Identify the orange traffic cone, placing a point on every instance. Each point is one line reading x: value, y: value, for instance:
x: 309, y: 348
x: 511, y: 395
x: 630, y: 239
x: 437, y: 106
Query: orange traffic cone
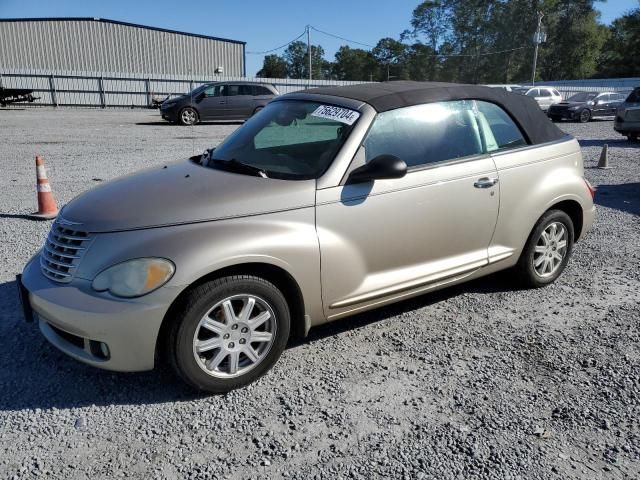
x: 47, y: 208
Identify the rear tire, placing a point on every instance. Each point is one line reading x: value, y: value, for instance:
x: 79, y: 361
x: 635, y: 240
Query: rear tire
x: 547, y: 250
x: 228, y: 333
x: 188, y: 116
x: 555, y: 119
x: 584, y: 116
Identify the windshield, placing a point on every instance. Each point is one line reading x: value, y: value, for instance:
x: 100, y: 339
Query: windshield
x: 582, y: 97
x: 634, y: 97
x: 291, y: 140
x: 197, y: 90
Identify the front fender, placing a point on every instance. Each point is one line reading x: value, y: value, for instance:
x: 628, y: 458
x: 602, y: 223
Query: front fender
x: 287, y: 240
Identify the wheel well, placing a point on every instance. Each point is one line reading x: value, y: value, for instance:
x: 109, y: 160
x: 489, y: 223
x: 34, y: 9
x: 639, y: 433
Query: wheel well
x: 574, y: 210
x: 276, y: 275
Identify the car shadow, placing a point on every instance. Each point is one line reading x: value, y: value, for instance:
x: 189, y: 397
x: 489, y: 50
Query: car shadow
x: 35, y: 374
x: 19, y: 215
x: 498, y: 282
x: 617, y: 143
x: 199, y: 124
x: 624, y: 197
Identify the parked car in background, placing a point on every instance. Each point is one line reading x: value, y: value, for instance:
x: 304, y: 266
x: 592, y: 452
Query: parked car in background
x: 584, y: 106
x: 508, y: 88
x: 218, y: 101
x: 627, y: 121
x: 327, y: 203
x: 545, y: 96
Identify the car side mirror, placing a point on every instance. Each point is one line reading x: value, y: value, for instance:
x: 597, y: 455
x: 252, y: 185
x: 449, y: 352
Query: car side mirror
x: 379, y: 168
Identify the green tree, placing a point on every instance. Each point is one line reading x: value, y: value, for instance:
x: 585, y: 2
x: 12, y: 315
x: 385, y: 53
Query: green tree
x: 420, y: 62
x: 296, y: 57
x: 390, y: 56
x: 273, y: 66
x: 620, y: 56
x: 575, y: 41
x: 490, y: 41
x: 354, y: 64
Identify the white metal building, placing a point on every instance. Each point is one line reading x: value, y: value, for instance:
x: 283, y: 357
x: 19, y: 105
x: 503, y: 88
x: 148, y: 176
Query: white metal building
x: 99, y: 45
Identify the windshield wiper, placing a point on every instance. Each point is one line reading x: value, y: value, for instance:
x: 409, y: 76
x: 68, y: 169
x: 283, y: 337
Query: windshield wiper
x: 240, y: 167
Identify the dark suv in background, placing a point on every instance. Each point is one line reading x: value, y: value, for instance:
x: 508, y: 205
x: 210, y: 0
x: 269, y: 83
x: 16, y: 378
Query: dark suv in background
x: 628, y: 117
x: 583, y: 106
x: 218, y: 101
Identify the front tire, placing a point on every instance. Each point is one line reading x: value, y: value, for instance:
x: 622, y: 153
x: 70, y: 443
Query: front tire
x: 547, y: 250
x: 229, y: 332
x: 584, y: 116
x: 188, y: 116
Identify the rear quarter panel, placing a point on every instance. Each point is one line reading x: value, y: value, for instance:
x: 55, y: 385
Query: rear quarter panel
x: 532, y: 180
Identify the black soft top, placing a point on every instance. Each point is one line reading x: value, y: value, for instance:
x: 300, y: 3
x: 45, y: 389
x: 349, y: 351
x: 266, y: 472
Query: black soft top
x: 391, y: 95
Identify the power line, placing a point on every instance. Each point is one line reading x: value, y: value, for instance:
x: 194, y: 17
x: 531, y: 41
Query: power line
x: 280, y: 47
x: 479, y: 54
x: 342, y: 38
x: 452, y: 55
x: 434, y: 55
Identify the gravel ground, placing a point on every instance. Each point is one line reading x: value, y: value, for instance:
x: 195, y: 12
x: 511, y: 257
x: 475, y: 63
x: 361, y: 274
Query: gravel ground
x: 477, y: 381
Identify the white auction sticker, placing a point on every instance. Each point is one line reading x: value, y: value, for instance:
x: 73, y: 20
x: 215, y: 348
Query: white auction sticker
x: 342, y: 115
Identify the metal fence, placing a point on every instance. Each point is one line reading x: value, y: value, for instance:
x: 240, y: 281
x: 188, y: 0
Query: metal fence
x: 88, y: 89
x: 134, y: 91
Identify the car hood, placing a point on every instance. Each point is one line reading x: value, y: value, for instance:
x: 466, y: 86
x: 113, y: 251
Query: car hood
x: 175, y: 99
x: 183, y: 192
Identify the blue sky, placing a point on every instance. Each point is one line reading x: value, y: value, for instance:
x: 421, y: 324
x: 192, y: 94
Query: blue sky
x: 263, y: 25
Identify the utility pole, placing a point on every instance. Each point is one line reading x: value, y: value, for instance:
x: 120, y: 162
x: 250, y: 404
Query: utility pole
x: 309, y: 49
x: 538, y: 38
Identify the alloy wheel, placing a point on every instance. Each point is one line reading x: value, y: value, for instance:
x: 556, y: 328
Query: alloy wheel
x: 584, y: 116
x: 234, y: 336
x: 188, y: 116
x: 550, y: 250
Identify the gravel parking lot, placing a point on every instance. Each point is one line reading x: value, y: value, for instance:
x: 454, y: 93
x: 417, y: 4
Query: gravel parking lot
x: 478, y: 381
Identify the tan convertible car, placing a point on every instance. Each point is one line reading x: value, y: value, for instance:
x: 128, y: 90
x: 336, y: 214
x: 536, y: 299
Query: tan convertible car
x: 326, y: 203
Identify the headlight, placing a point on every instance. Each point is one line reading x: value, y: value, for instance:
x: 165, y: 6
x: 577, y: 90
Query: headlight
x: 134, y: 278
x: 575, y: 107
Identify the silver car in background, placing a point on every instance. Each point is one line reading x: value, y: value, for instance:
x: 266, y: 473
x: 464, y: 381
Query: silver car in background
x: 327, y: 203
x: 544, y: 96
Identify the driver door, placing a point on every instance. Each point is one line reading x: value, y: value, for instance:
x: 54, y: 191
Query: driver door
x: 387, y: 239
x: 214, y: 102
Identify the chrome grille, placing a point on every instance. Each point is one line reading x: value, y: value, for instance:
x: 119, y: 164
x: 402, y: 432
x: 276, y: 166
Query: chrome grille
x: 633, y: 115
x: 62, y: 251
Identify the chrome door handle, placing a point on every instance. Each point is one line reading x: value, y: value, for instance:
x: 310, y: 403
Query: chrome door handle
x: 485, y: 182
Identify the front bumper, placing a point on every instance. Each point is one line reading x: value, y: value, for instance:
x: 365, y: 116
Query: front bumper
x: 563, y: 114
x: 169, y: 113
x: 626, y: 127
x: 77, y: 320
